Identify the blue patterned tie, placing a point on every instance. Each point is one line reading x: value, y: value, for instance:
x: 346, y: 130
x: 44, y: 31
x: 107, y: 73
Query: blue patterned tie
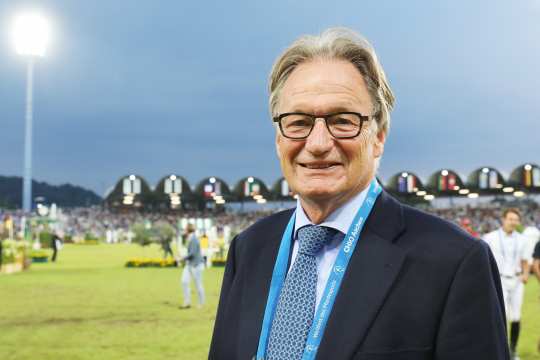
x: 296, y: 304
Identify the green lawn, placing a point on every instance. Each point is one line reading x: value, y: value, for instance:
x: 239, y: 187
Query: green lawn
x: 88, y: 306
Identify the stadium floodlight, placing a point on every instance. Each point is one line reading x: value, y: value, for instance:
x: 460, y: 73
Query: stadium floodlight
x: 30, y: 36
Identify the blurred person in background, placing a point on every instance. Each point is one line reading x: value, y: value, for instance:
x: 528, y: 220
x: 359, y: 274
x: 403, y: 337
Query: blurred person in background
x: 536, y: 263
x: 531, y: 235
x: 467, y: 226
x: 512, y: 255
x: 193, y: 268
x: 536, y: 269
x: 56, y: 245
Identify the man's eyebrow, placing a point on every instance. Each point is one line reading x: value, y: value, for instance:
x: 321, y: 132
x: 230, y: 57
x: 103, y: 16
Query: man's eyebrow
x: 328, y: 110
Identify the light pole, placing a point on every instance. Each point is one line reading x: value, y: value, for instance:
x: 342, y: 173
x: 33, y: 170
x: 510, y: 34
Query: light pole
x: 30, y: 35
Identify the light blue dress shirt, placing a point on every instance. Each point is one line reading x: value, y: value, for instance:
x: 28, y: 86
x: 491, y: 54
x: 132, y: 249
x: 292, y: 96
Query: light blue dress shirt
x: 340, y: 219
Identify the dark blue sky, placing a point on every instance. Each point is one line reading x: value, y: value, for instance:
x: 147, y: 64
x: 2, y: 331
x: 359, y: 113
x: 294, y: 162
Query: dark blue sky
x: 155, y: 87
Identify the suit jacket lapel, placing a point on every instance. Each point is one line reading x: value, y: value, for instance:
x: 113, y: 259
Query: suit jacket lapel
x: 372, y: 270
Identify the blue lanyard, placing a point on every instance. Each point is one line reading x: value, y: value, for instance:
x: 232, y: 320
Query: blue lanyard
x: 332, y: 286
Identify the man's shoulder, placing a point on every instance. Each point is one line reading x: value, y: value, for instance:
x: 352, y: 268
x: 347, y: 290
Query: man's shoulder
x: 436, y: 235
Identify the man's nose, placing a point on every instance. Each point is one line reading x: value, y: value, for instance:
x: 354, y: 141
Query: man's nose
x: 320, y: 140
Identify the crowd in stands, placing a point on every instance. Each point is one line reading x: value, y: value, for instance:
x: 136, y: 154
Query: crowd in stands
x: 478, y: 219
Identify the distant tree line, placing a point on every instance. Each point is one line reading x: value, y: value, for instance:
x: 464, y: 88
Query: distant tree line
x: 65, y: 195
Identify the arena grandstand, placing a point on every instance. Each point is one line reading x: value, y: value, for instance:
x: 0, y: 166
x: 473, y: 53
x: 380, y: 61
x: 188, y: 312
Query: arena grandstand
x: 173, y: 192
x: 220, y: 211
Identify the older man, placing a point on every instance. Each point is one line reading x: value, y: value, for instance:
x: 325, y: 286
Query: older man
x: 350, y: 273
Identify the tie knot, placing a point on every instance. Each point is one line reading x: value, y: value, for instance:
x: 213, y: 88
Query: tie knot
x: 312, y: 238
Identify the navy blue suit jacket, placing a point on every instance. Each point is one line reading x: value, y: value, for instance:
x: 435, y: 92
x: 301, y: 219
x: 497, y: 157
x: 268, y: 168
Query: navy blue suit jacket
x: 417, y: 288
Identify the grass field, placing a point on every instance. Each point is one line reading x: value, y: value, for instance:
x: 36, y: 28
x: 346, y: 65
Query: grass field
x: 88, y: 306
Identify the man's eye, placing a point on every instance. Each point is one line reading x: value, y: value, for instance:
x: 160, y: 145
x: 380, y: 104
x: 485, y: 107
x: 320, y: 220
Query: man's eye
x: 342, y: 121
x: 300, y: 123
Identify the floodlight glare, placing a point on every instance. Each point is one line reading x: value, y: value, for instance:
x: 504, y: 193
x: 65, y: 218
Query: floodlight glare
x: 31, y: 34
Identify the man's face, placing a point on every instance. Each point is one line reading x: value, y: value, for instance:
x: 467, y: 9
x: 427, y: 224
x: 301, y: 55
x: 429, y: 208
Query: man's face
x: 322, y: 168
x: 510, y: 222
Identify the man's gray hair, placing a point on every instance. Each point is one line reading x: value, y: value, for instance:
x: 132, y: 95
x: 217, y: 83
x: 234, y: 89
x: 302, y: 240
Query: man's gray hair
x: 342, y: 44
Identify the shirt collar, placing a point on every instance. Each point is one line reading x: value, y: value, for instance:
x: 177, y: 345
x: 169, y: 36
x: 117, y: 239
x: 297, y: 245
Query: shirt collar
x: 504, y: 234
x: 340, y: 219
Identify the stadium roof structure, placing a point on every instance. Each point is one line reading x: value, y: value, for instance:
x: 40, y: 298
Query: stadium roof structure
x: 130, y: 191
x: 526, y: 177
x: 406, y: 183
x: 486, y: 180
x: 172, y: 191
x: 281, y: 190
x: 251, y: 189
x: 445, y: 182
x: 214, y: 189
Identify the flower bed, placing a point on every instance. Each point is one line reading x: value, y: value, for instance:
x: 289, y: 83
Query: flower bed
x: 146, y: 262
x: 39, y: 256
x: 219, y: 262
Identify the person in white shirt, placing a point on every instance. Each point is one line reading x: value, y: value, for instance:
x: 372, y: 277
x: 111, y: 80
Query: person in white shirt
x: 512, y: 256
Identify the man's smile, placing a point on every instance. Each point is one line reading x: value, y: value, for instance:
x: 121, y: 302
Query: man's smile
x: 319, y: 165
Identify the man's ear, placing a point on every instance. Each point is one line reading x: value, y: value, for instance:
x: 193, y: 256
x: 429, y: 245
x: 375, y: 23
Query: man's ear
x: 378, y: 145
x: 277, y: 142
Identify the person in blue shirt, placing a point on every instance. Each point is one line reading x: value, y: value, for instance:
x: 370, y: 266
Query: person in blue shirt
x: 193, y: 268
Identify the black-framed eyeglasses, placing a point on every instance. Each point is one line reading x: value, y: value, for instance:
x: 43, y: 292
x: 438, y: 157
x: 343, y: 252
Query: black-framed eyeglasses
x: 341, y: 125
